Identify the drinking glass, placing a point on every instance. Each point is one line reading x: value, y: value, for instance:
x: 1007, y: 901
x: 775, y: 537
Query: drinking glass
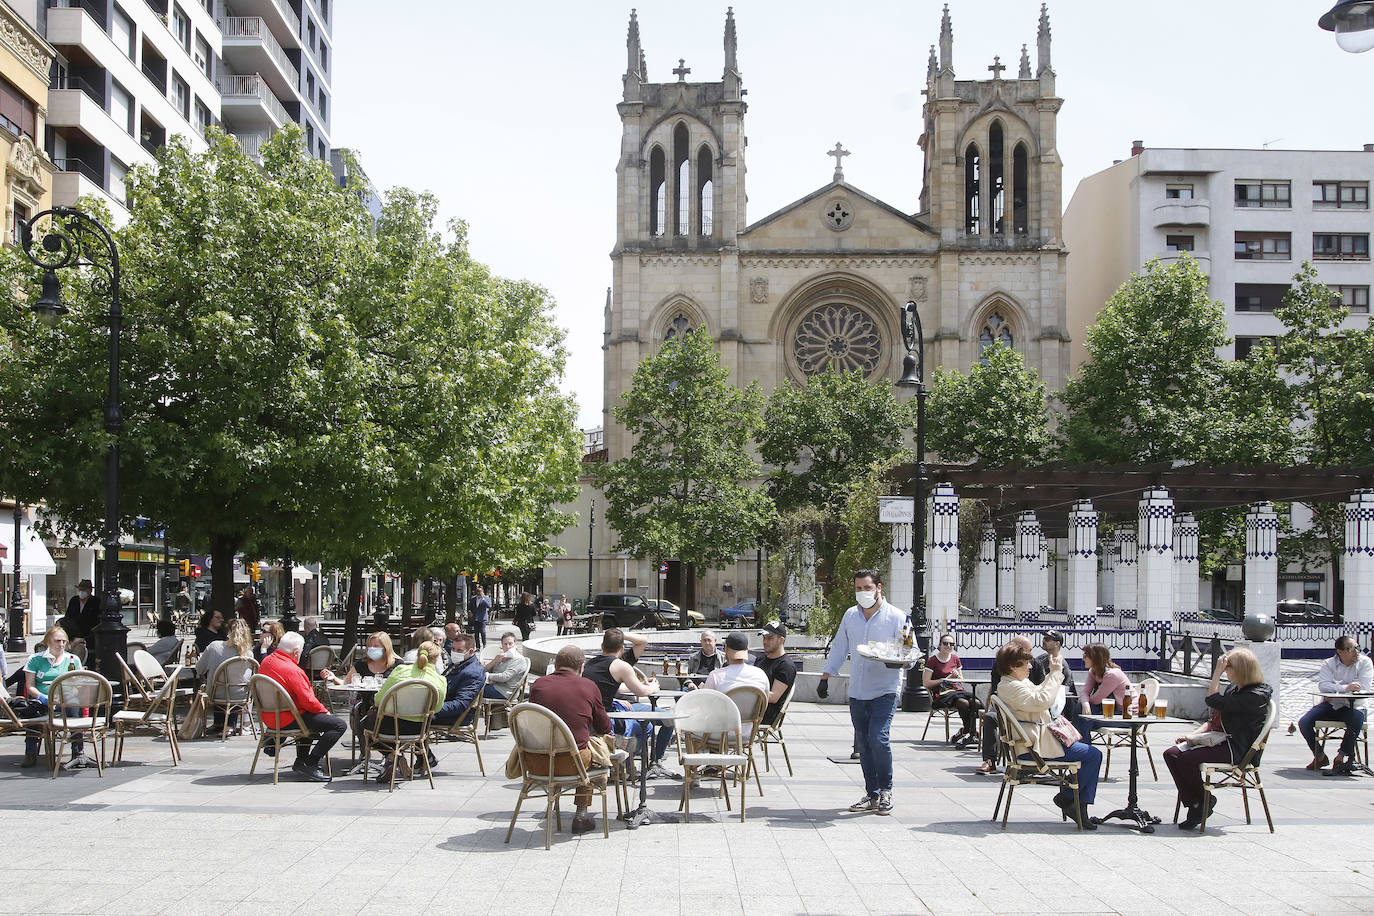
x: 1161, y: 709
x: 1109, y: 707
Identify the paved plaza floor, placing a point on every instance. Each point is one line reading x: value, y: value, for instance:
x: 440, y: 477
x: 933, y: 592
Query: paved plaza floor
x: 205, y: 837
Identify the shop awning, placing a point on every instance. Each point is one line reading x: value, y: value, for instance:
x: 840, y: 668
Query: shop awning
x: 34, y: 558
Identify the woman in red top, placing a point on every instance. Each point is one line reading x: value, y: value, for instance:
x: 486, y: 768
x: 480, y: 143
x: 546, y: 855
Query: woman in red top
x: 944, y: 678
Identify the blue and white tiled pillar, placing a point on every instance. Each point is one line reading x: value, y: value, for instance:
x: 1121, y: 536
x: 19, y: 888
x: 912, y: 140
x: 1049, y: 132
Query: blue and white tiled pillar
x: 1106, y: 579
x: 986, y: 576
x: 1029, y: 597
x: 1082, y: 565
x: 1359, y: 562
x: 1155, y: 560
x: 1124, y: 579
x: 1261, y: 559
x: 1186, y: 571
x: 1006, y: 578
x: 942, y: 575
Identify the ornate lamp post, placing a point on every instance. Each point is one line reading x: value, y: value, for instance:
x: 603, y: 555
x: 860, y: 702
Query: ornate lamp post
x: 289, y: 621
x: 74, y: 239
x: 16, y: 624
x: 915, y: 698
x: 1353, y: 23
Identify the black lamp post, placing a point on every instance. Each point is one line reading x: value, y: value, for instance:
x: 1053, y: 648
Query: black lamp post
x: 15, y: 643
x: 74, y: 239
x: 1353, y: 23
x: 591, y: 533
x: 915, y: 698
x: 289, y: 622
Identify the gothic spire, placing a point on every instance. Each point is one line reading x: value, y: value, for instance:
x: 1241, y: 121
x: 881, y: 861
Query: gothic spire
x: 946, y: 42
x: 634, y: 54
x: 1042, y: 44
x: 730, y: 48
x: 932, y: 66
x: 1024, y: 73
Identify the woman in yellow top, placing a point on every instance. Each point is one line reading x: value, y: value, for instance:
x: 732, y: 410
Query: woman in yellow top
x: 426, y: 668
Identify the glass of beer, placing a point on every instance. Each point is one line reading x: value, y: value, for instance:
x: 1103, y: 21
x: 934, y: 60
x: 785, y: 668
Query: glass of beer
x: 1161, y: 709
x: 1109, y: 707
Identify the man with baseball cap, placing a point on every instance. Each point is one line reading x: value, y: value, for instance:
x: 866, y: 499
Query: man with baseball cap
x: 737, y: 671
x: 776, y: 666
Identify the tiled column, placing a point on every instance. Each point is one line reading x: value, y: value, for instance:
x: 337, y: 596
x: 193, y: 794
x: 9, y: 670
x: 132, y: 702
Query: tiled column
x: 1155, y: 560
x: 1106, y: 578
x: 1029, y: 597
x: 1042, y: 582
x: 1006, y: 578
x: 1186, y: 566
x: 901, y: 571
x: 1125, y: 578
x: 986, y: 576
x: 942, y: 573
x: 1359, y: 562
x: 1082, y: 564
x: 1261, y: 559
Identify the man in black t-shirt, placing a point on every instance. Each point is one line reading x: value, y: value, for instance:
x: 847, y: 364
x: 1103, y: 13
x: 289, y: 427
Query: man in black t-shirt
x: 780, y: 670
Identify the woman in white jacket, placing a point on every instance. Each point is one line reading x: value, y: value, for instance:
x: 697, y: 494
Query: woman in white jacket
x: 1030, y: 705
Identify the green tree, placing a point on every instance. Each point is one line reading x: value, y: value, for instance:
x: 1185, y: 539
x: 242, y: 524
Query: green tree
x: 996, y: 414
x: 687, y: 490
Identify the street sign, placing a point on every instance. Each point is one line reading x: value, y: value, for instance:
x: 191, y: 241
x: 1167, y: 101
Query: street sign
x: 894, y: 510
x: 663, y: 569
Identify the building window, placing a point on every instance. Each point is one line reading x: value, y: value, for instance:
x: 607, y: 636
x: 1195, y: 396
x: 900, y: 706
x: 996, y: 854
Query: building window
x: 995, y: 330
x: 1340, y: 195
x: 119, y: 172
x: 1020, y: 190
x: 658, y: 192
x: 310, y: 34
x: 310, y: 85
x: 1354, y: 298
x: 324, y: 106
x: 181, y: 27
x: 181, y: 95
x: 682, y: 170
x: 203, y: 117
x: 309, y: 137
x: 1178, y: 191
x: 1177, y: 243
x: 677, y: 328
x: 1349, y: 246
x: 1260, y: 297
x: 705, y: 192
x: 21, y: 216
x: 841, y: 337
x: 324, y: 9
x: 973, y: 177
x: 1264, y: 246
x: 1246, y: 345
x: 203, y: 57
x: 997, y: 179
x: 324, y: 57
x: 18, y: 114
x: 1263, y: 194
x: 321, y: 150
x: 122, y: 32
x: 122, y: 107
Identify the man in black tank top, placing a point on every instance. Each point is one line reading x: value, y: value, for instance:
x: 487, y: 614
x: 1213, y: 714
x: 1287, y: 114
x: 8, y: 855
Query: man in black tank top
x: 613, y: 670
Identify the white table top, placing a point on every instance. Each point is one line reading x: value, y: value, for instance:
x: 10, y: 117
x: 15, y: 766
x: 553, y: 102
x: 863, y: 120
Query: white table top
x: 645, y: 715
x: 353, y: 688
x: 1141, y: 721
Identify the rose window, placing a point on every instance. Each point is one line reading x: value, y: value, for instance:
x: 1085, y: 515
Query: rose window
x: 841, y: 337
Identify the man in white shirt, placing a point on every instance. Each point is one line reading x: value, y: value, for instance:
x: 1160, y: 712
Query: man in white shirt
x: 1347, y: 672
x: 506, y: 671
x: 872, y: 685
x: 737, y: 671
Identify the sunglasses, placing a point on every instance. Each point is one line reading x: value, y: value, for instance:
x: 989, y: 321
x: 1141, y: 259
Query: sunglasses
x: 943, y: 643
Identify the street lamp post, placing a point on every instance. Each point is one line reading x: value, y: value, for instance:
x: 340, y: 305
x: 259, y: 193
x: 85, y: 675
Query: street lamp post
x: 591, y: 531
x: 289, y: 622
x: 915, y: 697
x: 1353, y: 23
x: 74, y: 239
x: 16, y: 641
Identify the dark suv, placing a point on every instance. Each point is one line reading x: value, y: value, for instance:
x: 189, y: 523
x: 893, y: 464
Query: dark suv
x: 1296, y: 610
x: 624, y: 611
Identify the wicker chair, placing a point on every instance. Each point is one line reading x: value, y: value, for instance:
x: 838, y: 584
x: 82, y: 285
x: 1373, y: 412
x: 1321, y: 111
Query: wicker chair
x: 765, y: 735
x: 270, y: 698
x: 539, y: 732
x: 752, y: 704
x: 457, y: 731
x: 88, y: 695
x: 156, y: 719
x: 491, y: 707
x: 1035, y: 771
x: 413, y: 698
x: 228, y: 690
x: 1244, y: 775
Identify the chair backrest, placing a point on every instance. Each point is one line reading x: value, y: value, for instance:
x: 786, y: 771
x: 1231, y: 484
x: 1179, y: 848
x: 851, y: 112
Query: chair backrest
x: 539, y: 732
x: 708, y: 712
x: 148, y: 667
x: 751, y: 702
x: 232, y: 673
x: 412, y: 698
x: 271, y: 698
x: 783, y: 706
x: 134, y: 688
x: 166, y: 697
x: 1011, y: 733
x: 1151, y: 687
x: 1252, y: 756
x: 319, y: 658
x: 82, y: 690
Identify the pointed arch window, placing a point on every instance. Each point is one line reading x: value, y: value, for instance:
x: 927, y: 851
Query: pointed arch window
x: 682, y: 172
x: 996, y: 180
x: 972, y: 180
x: 706, y: 192
x: 658, y: 192
x: 677, y: 328
x: 995, y: 330
x: 1020, y: 190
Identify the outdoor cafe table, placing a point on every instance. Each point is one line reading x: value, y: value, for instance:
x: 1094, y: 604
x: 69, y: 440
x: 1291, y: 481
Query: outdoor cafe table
x: 1135, y: 816
x: 356, y: 687
x: 642, y: 815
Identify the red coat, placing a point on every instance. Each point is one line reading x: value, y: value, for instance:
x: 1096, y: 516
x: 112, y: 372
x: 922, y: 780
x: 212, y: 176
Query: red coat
x: 283, y: 669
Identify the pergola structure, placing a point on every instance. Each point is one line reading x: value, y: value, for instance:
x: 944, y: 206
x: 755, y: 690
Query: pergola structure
x: 1145, y: 576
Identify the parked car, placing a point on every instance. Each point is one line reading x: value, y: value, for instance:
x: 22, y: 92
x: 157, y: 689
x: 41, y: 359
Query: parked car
x: 670, y: 614
x: 625, y: 611
x: 738, y: 615
x: 1296, y: 610
x: 1222, y: 614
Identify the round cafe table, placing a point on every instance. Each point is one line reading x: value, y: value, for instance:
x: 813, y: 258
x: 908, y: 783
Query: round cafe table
x: 1135, y: 816
x: 354, y: 688
x: 642, y: 815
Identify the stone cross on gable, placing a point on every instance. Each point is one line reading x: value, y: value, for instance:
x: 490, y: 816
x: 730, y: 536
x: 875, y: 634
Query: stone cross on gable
x: 997, y: 67
x: 839, y: 152
x: 681, y: 70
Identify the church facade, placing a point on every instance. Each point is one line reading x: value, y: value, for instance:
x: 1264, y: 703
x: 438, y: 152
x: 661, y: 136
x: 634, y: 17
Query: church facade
x: 820, y: 282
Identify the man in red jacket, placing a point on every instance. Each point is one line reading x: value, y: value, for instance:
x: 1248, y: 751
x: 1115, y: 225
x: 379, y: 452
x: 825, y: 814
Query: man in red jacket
x: 283, y: 666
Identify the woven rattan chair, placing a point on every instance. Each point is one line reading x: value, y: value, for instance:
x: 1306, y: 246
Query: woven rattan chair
x: 752, y: 704
x: 78, y: 702
x: 457, y: 731
x: 1036, y: 770
x: 491, y: 707
x: 539, y: 733
x: 765, y: 735
x: 1244, y: 775
x: 228, y: 690
x: 709, y: 723
x: 156, y: 719
x: 270, y: 698
x: 413, y: 698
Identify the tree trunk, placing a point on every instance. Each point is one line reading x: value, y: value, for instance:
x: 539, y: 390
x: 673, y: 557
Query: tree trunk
x: 353, y: 607
x: 407, y: 603
x: 222, y: 550
x: 689, y: 593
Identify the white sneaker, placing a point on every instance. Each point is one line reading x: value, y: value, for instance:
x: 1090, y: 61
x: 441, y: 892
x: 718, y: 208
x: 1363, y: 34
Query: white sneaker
x: 884, y: 802
x: 867, y: 803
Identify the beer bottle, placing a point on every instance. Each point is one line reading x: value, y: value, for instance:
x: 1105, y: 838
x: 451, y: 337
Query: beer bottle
x: 908, y: 635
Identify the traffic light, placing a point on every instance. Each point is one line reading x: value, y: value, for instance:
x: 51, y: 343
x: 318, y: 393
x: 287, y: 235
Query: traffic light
x: 254, y: 571
x: 185, y: 567
x: 195, y: 572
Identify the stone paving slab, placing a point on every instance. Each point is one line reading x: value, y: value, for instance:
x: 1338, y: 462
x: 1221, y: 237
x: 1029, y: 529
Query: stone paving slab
x: 204, y: 837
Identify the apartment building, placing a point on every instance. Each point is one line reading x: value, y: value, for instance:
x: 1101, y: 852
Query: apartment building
x: 129, y: 74
x: 24, y: 62
x: 1249, y: 217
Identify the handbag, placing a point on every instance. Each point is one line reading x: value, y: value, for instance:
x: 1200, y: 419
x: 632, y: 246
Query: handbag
x: 193, y: 725
x: 1063, y: 730
x: 1206, y: 739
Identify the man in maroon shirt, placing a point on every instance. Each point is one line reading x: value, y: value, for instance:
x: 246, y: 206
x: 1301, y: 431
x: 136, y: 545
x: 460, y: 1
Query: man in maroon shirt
x: 577, y: 701
x: 283, y: 666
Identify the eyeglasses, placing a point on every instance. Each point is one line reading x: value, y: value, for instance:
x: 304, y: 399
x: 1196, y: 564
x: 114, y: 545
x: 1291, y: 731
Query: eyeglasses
x: 943, y: 643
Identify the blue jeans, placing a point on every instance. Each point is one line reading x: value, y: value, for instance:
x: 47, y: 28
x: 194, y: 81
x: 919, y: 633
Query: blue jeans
x: 637, y: 730
x: 1352, y: 717
x: 32, y: 742
x: 872, y: 721
x: 491, y: 692
x: 1089, y: 759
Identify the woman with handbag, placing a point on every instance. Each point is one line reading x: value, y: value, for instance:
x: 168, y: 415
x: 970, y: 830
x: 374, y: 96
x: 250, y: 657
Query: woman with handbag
x: 1030, y: 705
x: 1239, y: 714
x: 525, y: 613
x: 943, y: 676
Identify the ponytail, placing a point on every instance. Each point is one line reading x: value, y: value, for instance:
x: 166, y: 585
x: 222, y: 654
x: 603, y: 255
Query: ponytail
x: 427, y: 655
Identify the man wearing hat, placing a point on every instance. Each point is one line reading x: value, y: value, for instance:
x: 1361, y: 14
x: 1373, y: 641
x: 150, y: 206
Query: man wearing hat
x: 737, y: 671
x: 83, y: 612
x: 776, y: 666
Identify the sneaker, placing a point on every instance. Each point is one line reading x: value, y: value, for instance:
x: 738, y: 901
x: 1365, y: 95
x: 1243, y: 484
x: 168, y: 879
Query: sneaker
x: 957, y: 737
x: 867, y: 803
x: 76, y: 763
x: 884, y: 803
x: 657, y: 771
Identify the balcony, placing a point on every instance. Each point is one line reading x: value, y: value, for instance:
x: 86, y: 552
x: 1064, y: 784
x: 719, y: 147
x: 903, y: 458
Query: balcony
x: 76, y: 179
x: 247, y: 102
x: 96, y: 10
x: 1203, y: 259
x: 280, y: 18
x: 1183, y: 212
x: 250, y: 47
x: 252, y: 144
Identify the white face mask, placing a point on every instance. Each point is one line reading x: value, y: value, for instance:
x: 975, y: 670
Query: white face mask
x: 84, y: 594
x: 866, y: 600
x: 375, y: 653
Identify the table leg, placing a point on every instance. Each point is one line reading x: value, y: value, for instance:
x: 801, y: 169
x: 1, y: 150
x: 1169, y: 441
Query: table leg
x: 1133, y: 814
x: 641, y: 816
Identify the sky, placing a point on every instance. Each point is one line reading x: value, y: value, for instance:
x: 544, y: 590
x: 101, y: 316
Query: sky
x: 507, y: 111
